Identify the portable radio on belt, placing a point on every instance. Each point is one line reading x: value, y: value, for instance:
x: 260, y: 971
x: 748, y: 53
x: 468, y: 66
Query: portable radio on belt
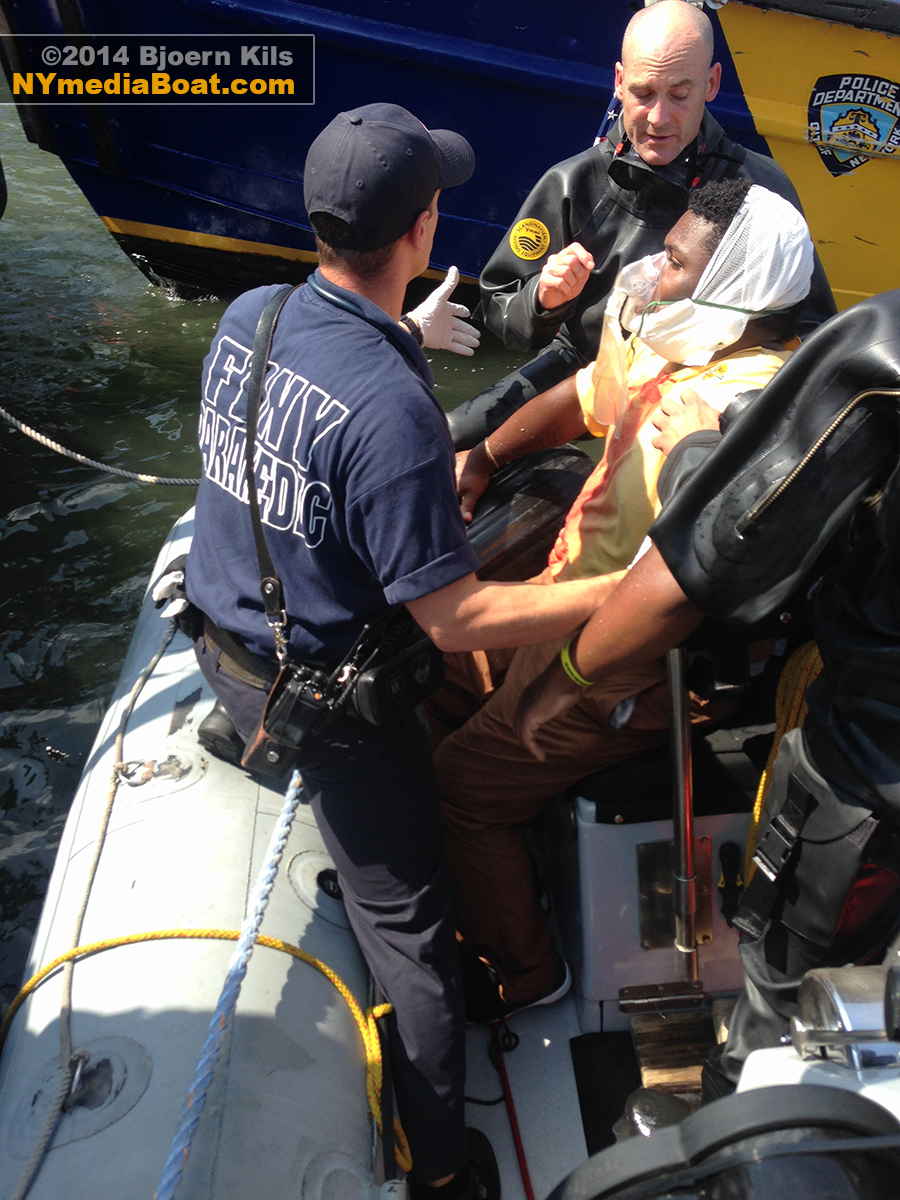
x: 391, y: 667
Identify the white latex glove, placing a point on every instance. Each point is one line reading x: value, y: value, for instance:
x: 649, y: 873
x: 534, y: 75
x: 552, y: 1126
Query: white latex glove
x: 441, y: 322
x: 170, y: 587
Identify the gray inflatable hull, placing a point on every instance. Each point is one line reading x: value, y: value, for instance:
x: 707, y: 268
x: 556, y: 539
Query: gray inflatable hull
x: 287, y: 1114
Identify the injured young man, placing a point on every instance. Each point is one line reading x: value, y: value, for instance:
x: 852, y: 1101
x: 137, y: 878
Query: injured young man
x: 712, y: 317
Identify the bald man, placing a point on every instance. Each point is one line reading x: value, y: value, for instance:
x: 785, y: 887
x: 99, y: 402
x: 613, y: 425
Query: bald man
x: 611, y: 205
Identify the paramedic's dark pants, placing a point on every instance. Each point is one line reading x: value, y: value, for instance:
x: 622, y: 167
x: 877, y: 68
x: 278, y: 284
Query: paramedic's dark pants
x: 374, y: 795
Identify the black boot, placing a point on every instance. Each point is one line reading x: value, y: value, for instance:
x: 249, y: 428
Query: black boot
x: 217, y: 734
x: 479, y: 1179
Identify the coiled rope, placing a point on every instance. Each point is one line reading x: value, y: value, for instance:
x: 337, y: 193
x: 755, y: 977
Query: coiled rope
x: 365, y: 1019
x: 90, y: 462
x: 73, y: 1062
x: 790, y: 711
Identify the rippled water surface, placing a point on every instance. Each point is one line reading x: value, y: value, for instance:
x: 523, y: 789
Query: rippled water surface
x: 96, y: 358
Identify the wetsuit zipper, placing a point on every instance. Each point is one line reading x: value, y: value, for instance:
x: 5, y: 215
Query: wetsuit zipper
x: 774, y: 492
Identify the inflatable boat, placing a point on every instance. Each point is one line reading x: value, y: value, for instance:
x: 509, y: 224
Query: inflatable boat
x: 288, y: 1111
x: 164, y: 857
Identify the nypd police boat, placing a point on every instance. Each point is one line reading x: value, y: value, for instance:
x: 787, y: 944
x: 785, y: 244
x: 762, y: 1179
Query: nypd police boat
x: 212, y: 202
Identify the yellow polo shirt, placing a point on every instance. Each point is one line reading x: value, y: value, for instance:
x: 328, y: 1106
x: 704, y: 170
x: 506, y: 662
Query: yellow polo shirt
x: 618, y: 503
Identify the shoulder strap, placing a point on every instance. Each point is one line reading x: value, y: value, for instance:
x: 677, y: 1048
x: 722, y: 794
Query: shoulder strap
x: 269, y: 583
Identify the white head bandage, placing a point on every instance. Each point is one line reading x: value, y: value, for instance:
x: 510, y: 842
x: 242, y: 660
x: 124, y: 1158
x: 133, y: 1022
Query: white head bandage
x: 763, y: 263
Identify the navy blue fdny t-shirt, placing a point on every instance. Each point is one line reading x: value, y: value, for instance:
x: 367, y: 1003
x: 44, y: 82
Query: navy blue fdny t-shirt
x: 354, y: 472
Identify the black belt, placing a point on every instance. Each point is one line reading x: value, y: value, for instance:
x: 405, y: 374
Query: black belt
x: 236, y: 659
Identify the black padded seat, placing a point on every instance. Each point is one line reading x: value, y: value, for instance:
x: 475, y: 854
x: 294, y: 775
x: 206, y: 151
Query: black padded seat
x: 519, y: 517
x: 727, y: 766
x: 727, y: 763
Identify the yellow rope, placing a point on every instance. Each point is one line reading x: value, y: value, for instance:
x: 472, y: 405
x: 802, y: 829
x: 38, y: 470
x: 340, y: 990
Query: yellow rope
x: 790, y: 711
x: 365, y: 1020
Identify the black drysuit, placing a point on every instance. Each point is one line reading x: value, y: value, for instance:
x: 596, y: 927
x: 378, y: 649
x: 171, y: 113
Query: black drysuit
x: 814, y: 461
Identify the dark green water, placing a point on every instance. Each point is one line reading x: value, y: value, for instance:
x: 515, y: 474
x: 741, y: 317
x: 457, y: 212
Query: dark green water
x: 99, y: 360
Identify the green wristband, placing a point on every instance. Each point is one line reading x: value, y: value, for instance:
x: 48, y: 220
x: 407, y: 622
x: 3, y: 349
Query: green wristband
x: 569, y: 666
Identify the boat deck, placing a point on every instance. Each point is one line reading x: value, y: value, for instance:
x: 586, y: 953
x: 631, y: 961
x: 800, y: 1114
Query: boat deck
x: 542, y: 1082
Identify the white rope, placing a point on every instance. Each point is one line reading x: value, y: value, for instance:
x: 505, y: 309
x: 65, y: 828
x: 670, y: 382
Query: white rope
x: 90, y: 462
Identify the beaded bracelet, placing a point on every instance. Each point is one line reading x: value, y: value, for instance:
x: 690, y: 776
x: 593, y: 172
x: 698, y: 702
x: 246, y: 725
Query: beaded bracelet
x: 489, y: 453
x: 569, y: 666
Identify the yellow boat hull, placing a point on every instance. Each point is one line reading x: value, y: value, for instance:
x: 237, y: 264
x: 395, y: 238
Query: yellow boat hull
x: 785, y: 63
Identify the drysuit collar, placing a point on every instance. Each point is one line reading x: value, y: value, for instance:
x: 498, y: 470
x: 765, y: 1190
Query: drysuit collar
x: 628, y: 170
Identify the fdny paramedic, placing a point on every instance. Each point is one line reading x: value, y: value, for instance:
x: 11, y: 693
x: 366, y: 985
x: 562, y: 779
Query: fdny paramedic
x: 354, y: 474
x: 547, y: 282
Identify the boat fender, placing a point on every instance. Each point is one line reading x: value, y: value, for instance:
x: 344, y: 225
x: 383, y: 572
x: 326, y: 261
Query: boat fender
x: 477, y: 418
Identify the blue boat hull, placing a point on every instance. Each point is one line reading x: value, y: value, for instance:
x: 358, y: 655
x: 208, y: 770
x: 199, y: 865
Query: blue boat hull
x: 210, y: 198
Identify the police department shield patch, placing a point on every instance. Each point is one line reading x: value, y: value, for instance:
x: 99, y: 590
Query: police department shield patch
x: 852, y: 118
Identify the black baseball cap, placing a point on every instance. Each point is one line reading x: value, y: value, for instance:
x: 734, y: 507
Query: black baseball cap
x: 378, y: 167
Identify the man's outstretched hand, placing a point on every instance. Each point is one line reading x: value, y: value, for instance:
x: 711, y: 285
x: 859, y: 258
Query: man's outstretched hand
x: 441, y: 322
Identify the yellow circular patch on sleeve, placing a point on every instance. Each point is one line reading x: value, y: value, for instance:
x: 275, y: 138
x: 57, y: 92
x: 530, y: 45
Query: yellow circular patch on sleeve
x: 530, y: 239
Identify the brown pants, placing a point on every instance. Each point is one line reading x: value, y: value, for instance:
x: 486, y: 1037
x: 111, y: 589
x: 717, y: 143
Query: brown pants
x: 490, y: 784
